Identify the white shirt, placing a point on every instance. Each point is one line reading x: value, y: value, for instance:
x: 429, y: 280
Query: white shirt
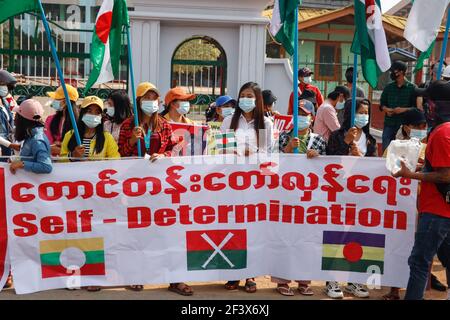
x: 362, y: 143
x: 246, y: 135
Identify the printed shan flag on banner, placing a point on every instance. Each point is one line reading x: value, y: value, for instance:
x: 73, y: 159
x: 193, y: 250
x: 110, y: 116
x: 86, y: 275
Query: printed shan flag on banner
x: 11, y: 8
x: 61, y: 258
x: 106, y: 42
x: 424, y: 21
x: 282, y: 25
x: 216, y: 249
x: 353, y: 251
x: 370, y: 40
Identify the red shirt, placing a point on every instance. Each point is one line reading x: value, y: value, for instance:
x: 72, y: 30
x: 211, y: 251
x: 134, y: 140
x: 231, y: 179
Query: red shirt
x: 438, y: 154
x: 302, y: 87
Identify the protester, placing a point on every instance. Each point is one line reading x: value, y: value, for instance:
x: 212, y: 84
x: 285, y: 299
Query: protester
x: 346, y: 94
x: 96, y: 143
x: 211, y: 114
x: 6, y: 116
x: 433, y: 228
x: 58, y: 124
x: 9, y: 81
x: 225, y: 107
x: 35, y: 151
x: 352, y: 141
x: 254, y: 131
x: 326, y: 120
x: 118, y: 109
x: 269, y: 100
x: 177, y: 106
x: 349, y: 77
x: 397, y: 98
x: 304, y: 76
x: 154, y: 133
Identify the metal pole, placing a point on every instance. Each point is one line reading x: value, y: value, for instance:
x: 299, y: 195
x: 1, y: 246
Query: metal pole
x: 60, y: 73
x: 444, y: 46
x: 135, y: 110
x: 295, y: 79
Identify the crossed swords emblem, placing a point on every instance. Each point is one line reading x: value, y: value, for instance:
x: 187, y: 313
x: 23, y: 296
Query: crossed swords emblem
x: 217, y: 248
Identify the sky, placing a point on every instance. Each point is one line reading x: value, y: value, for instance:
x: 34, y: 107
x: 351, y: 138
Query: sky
x: 387, y: 4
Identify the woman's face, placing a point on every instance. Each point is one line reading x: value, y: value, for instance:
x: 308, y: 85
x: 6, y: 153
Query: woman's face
x: 247, y: 93
x: 150, y: 95
x: 94, y: 110
x: 363, y: 109
x: 110, y: 103
x: 409, y: 127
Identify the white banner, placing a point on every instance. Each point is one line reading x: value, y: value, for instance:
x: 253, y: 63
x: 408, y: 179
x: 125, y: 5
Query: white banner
x: 129, y: 222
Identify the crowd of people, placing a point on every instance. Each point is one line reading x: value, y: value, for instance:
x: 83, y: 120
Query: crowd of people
x: 107, y: 130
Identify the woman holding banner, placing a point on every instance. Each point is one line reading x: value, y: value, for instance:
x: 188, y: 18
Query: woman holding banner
x: 118, y: 109
x: 154, y: 132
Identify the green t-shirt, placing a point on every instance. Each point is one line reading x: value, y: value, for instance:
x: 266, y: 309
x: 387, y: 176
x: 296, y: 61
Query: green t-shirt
x: 393, y: 97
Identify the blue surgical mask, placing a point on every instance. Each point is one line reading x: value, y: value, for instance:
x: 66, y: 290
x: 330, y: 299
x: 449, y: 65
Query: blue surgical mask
x: 361, y: 120
x: 110, y: 111
x: 340, y: 105
x: 3, y: 91
x: 150, y: 106
x: 183, y: 107
x: 227, y: 112
x: 247, y: 104
x: 92, y: 121
x: 419, y: 134
x: 56, y: 104
x: 303, y: 122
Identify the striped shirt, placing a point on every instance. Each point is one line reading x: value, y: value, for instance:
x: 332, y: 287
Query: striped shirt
x: 87, y: 146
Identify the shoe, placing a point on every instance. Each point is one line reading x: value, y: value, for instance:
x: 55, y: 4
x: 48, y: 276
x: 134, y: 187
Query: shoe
x: 357, y: 290
x: 436, y: 284
x: 333, y: 290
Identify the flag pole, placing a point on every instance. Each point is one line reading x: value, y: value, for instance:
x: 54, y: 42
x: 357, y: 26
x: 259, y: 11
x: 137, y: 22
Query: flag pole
x: 295, y: 77
x: 444, y: 46
x: 355, y: 77
x: 60, y: 73
x: 133, y: 89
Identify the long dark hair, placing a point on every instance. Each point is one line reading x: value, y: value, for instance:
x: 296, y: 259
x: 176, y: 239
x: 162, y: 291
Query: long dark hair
x: 24, y: 127
x: 67, y: 126
x: 346, y: 125
x: 155, y: 118
x: 122, y: 106
x: 258, y: 112
x: 99, y: 134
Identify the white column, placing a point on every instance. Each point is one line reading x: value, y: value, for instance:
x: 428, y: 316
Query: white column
x: 252, y: 50
x: 145, y: 39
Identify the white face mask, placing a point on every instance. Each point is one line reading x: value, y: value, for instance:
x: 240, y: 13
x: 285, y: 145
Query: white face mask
x: 150, y: 106
x: 183, y: 107
x: 247, y: 104
x: 227, y: 112
x: 307, y: 79
x: 56, y: 104
x: 110, y: 111
x: 3, y: 91
x: 340, y: 105
x: 92, y: 121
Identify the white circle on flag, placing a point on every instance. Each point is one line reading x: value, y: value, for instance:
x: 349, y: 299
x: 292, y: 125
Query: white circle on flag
x: 72, y: 258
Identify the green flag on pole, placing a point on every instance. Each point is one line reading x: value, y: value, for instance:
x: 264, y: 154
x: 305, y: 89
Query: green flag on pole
x: 282, y: 25
x: 11, y: 8
x: 424, y: 56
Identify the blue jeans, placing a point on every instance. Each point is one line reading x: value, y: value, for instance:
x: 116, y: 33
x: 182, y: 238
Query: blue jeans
x: 389, y: 133
x: 432, y: 232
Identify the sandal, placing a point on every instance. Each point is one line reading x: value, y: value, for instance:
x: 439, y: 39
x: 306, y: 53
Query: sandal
x: 93, y: 288
x: 305, y: 290
x: 8, y: 283
x: 181, y: 288
x: 285, y: 290
x: 137, y: 287
x: 250, y: 286
x: 232, y: 285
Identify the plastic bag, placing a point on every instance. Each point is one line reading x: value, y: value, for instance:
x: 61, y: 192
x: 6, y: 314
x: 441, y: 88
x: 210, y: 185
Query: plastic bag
x: 403, y: 150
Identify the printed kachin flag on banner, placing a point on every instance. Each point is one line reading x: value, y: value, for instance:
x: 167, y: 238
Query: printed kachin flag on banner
x: 282, y: 25
x: 11, y: 8
x: 216, y: 249
x: 226, y: 142
x: 352, y: 251
x: 60, y: 258
x: 370, y: 40
x: 424, y: 22
x: 107, y: 42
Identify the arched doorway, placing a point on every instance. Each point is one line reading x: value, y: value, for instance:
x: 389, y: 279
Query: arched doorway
x: 199, y: 65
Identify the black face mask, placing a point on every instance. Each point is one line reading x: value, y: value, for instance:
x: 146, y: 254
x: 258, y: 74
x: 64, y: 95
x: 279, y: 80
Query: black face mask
x: 394, y: 76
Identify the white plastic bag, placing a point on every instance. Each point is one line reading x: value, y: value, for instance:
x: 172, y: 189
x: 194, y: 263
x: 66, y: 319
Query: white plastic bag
x: 403, y: 150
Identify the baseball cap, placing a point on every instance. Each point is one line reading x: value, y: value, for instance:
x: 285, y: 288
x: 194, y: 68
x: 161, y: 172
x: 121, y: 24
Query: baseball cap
x: 398, y: 65
x: 59, y: 93
x: 268, y: 97
x: 222, y: 100
x: 306, y: 106
x: 414, y: 117
x: 438, y: 90
x: 145, y: 87
x: 177, y: 93
x: 31, y: 110
x: 92, y: 100
x: 305, y: 72
x: 7, y: 77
